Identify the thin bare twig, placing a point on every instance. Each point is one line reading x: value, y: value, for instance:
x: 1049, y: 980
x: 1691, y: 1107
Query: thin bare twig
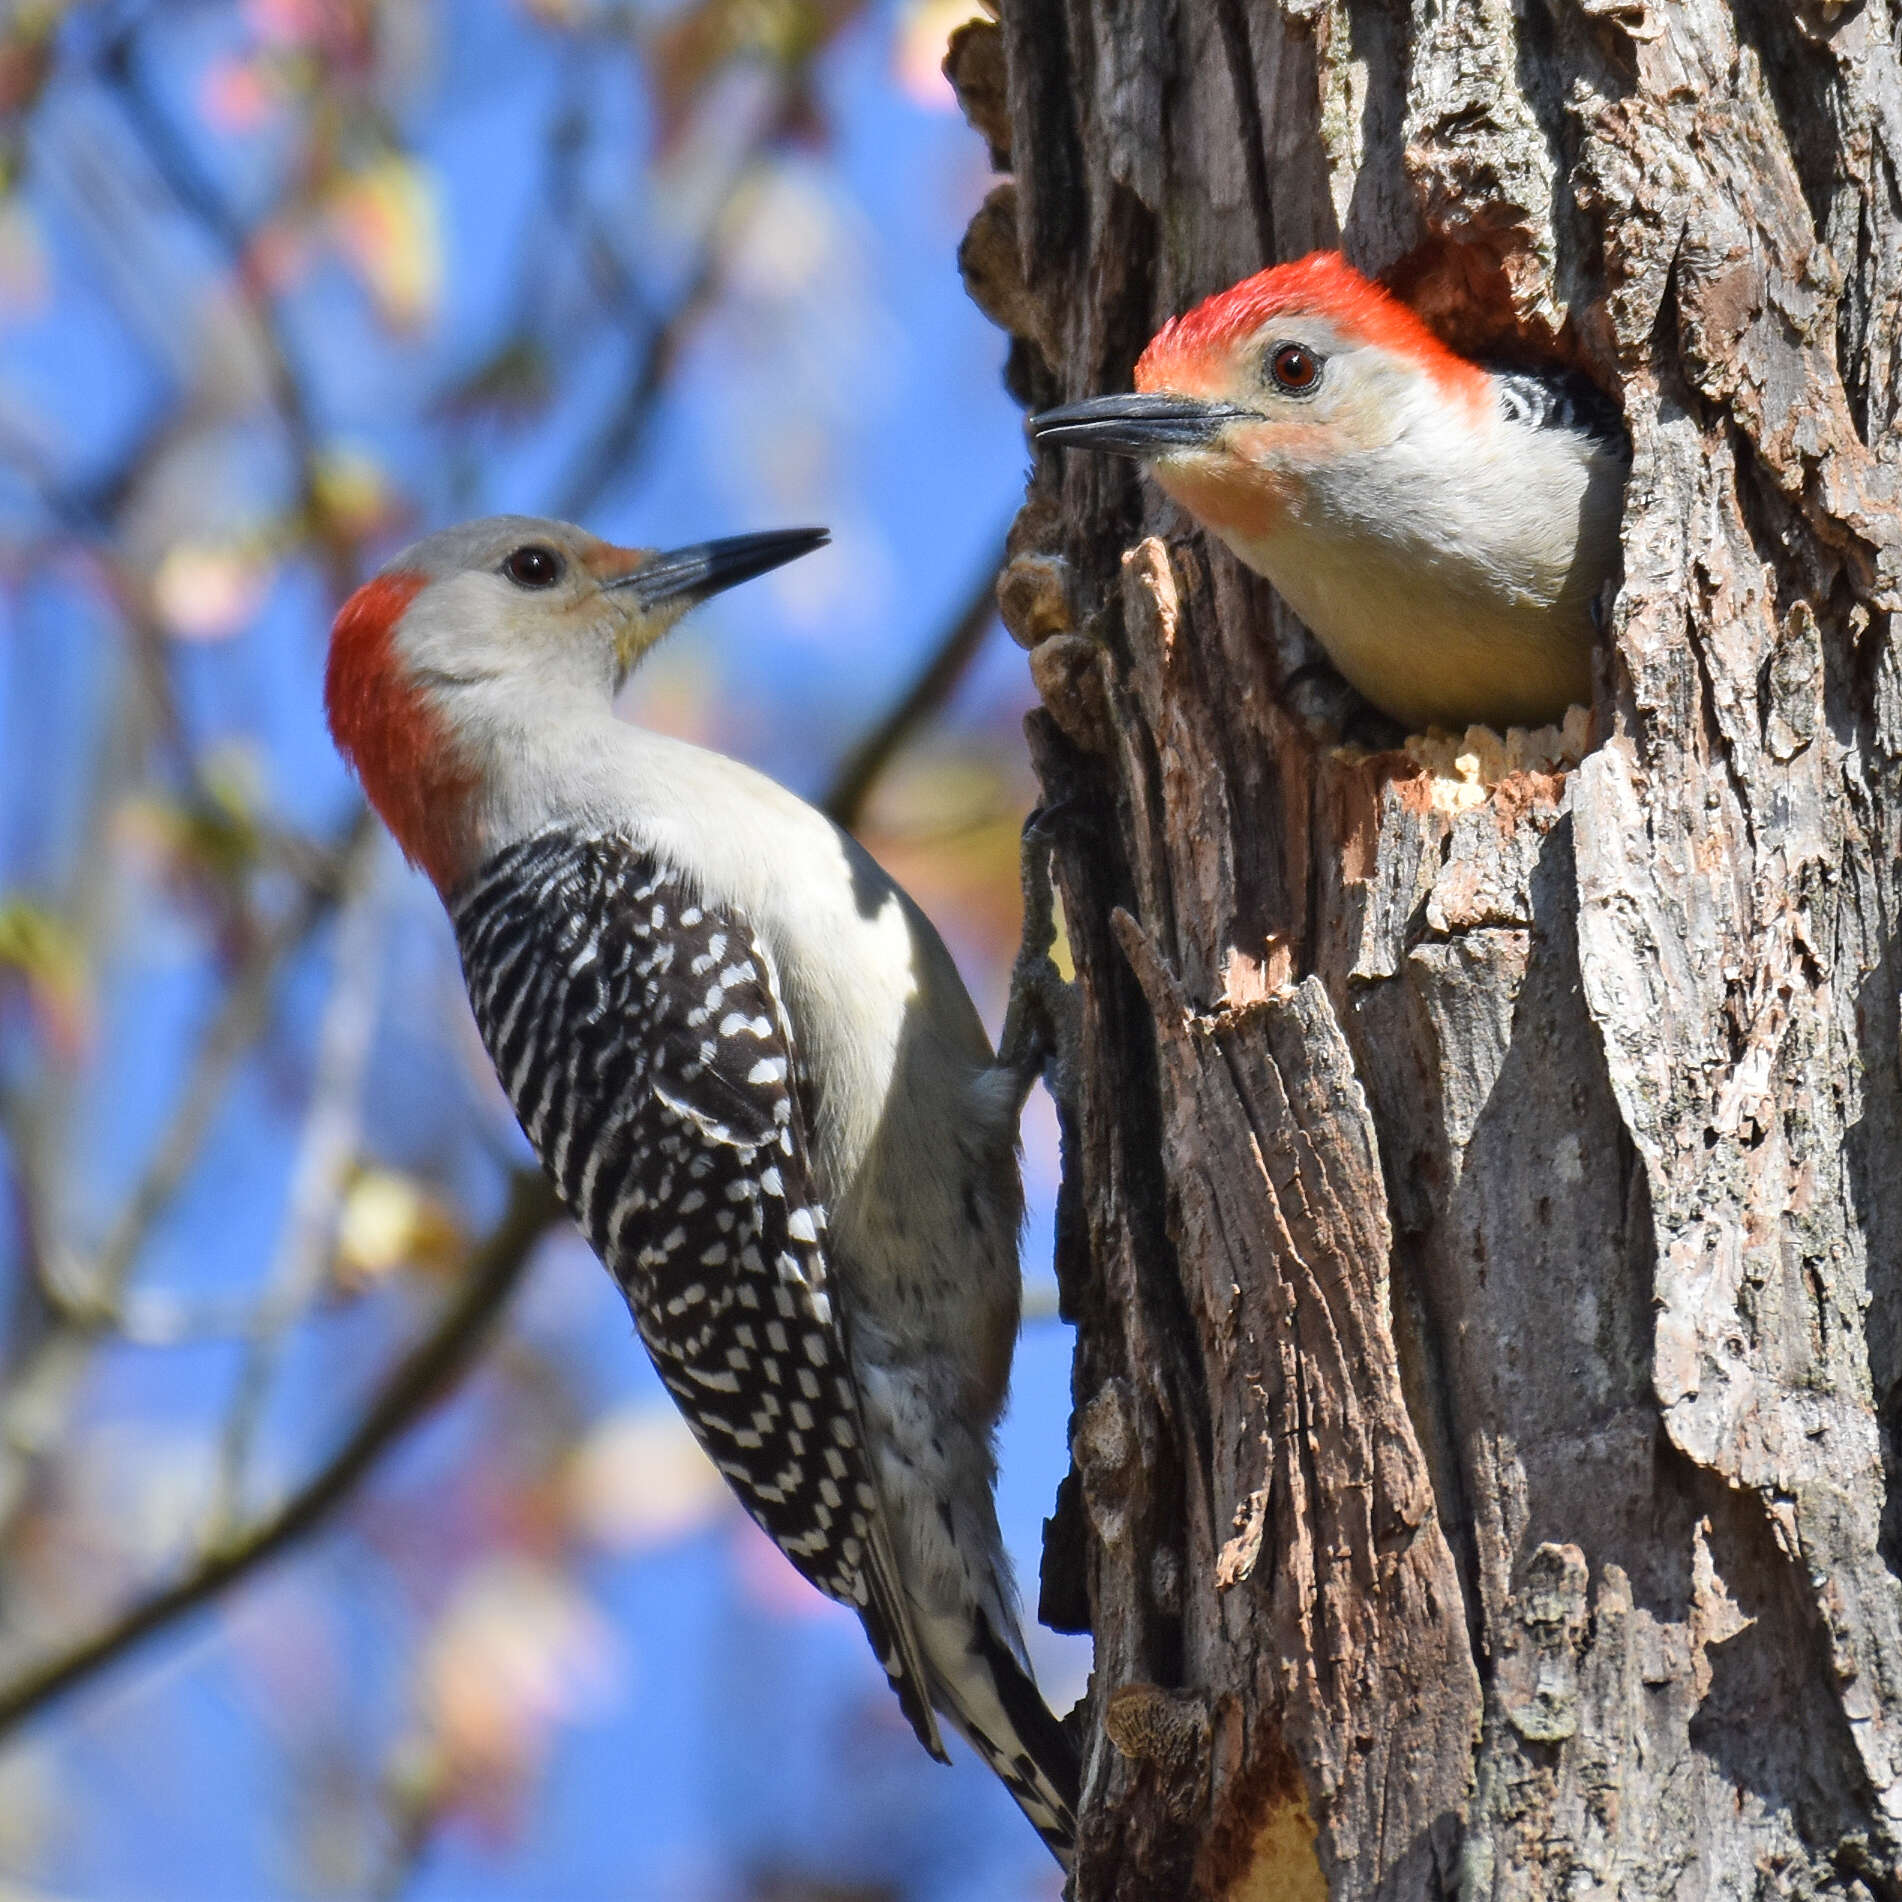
x: 620, y: 438
x: 237, y: 1026
x: 326, y: 1147
x: 171, y: 157
x: 86, y: 1302
x: 424, y: 1372
x: 930, y: 688
x: 201, y: 200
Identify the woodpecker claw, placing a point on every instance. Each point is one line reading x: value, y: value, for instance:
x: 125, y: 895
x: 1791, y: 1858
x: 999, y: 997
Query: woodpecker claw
x: 1040, y: 1022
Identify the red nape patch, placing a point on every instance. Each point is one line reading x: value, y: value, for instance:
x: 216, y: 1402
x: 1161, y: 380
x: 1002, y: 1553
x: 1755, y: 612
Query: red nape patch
x: 392, y: 739
x: 1188, y: 349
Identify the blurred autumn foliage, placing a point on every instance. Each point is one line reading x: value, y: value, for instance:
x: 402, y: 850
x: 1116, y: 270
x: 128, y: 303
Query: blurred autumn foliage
x: 281, y: 283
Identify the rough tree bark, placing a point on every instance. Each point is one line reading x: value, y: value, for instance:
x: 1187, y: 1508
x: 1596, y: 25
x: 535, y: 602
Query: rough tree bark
x: 1483, y: 1202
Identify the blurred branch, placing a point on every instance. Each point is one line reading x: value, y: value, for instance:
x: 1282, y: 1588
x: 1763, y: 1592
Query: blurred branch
x: 614, y: 281
x: 189, y: 184
x: 620, y: 438
x: 84, y: 516
x: 238, y: 1025
x: 172, y: 158
x: 326, y: 1147
x: 414, y: 1816
x: 931, y: 687
x: 86, y: 1303
x: 419, y: 1378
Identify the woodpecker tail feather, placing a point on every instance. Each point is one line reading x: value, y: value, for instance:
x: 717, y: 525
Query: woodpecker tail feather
x: 1013, y: 1731
x: 888, y: 1624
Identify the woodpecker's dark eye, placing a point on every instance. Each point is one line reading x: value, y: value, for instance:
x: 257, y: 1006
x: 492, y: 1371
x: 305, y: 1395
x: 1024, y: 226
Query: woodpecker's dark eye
x: 533, y: 567
x: 1294, y: 368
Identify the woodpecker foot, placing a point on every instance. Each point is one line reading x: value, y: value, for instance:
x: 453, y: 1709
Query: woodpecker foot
x: 1040, y: 1022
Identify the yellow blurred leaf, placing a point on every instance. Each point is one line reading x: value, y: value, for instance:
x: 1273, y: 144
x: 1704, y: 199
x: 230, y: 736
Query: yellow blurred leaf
x: 214, y: 836
x: 389, y: 1221
x: 222, y: 832
x: 26, y: 53
x: 351, y: 491
x: 690, y: 47
x: 42, y: 951
x: 386, y: 219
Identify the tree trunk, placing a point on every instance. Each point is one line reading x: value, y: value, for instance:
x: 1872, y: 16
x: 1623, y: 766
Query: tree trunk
x: 1483, y: 1199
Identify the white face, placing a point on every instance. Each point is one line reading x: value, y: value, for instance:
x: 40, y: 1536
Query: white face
x: 518, y: 600
x: 443, y: 667
x: 1311, y: 392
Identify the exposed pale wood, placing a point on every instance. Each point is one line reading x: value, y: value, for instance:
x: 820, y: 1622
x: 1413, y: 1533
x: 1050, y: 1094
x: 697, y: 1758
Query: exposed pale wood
x: 1483, y: 1200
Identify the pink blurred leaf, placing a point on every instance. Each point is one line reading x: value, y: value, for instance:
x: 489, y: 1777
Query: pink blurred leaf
x: 209, y: 591
x: 640, y: 1480
x: 293, y: 23
x: 25, y: 276
x: 237, y: 95
x: 924, y: 29
x: 770, y: 1583
x: 518, y: 1652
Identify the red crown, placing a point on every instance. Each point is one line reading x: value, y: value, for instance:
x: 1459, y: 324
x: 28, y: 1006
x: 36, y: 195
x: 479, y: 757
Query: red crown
x: 1321, y: 284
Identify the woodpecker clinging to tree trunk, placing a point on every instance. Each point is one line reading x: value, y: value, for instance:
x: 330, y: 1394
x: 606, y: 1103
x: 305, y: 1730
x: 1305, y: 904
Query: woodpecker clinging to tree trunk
x: 1442, y: 527
x: 750, y: 1067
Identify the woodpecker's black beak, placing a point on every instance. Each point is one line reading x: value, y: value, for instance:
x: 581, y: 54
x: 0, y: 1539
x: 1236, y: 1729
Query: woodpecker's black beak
x: 689, y: 575
x: 1135, y: 425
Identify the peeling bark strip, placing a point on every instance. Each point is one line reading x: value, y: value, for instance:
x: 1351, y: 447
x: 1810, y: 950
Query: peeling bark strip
x: 1483, y: 1215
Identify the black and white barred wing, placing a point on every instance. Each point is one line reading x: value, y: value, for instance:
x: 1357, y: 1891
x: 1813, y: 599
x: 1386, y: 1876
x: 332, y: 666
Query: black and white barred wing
x: 1561, y: 399
x: 642, y: 1040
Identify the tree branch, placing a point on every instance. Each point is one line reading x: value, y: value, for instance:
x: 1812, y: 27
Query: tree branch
x: 83, y: 1305
x: 621, y: 436
x: 930, y: 688
x: 199, y: 197
x: 90, y: 1300
x: 330, y: 1140
x: 423, y: 1373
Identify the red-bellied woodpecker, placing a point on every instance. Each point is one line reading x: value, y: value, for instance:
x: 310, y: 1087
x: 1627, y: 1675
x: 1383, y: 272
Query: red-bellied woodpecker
x: 749, y: 1066
x: 1443, y: 527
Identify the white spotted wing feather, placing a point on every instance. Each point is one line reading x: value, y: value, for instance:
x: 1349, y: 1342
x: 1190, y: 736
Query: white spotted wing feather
x: 642, y: 1040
